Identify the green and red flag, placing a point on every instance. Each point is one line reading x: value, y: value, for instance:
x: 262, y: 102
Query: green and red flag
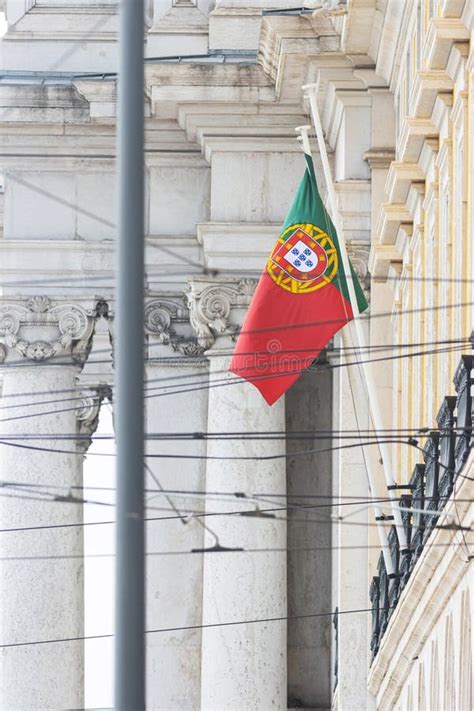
x: 301, y: 300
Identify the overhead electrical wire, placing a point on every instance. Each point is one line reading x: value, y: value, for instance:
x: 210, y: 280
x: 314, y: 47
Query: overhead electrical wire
x: 174, y: 388
x: 270, y: 330
x: 80, y: 283
x: 172, y: 455
x: 198, y: 514
x: 152, y: 554
x: 341, y: 500
x: 171, y: 380
x: 192, y: 627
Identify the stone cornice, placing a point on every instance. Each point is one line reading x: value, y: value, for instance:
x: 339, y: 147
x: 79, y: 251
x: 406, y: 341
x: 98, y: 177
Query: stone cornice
x: 399, y: 178
x: 249, y: 144
x: 426, y: 87
x: 169, y: 85
x: 382, y: 257
x: 62, y: 162
x: 442, y: 33
x: 227, y: 120
x: 379, y: 157
x: 433, y: 580
x: 287, y: 46
x: 243, y: 247
x: 390, y: 217
x: 413, y: 133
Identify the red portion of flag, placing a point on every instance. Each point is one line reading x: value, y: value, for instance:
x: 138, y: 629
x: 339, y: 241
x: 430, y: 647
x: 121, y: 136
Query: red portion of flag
x: 283, y: 333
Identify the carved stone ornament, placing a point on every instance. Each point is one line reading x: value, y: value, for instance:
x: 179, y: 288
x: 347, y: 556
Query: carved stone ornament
x: 359, y: 258
x: 160, y: 315
x: 87, y: 412
x: 327, y: 7
x: 39, y: 329
x: 211, y: 303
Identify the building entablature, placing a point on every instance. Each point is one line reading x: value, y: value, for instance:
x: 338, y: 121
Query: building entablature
x: 87, y: 266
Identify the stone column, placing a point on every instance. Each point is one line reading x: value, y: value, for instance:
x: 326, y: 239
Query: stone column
x: 174, y: 582
x: 243, y: 666
x: 351, y: 538
x: 43, y: 346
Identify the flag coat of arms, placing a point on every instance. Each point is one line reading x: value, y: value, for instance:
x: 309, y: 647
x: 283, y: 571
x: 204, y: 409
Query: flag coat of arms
x: 301, y: 300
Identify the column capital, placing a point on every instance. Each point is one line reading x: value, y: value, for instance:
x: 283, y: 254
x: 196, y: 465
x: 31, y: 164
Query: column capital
x: 39, y: 329
x: 217, y: 307
x: 359, y: 258
x: 87, y: 413
x: 167, y: 324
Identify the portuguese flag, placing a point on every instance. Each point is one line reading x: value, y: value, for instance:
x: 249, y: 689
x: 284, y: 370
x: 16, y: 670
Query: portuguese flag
x: 301, y: 300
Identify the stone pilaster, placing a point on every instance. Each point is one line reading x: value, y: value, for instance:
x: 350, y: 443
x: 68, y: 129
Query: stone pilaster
x: 43, y: 346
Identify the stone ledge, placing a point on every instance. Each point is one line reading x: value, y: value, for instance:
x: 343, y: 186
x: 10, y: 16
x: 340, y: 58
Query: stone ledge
x: 243, y: 247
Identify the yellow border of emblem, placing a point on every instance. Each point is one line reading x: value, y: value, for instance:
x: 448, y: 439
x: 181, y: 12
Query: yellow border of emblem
x: 281, y: 278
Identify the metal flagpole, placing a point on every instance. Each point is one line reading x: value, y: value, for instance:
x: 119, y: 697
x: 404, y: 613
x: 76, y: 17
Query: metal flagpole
x: 359, y: 330
x: 129, y: 417
x: 383, y: 539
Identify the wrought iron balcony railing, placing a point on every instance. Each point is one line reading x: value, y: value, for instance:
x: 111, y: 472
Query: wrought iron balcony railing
x: 431, y: 485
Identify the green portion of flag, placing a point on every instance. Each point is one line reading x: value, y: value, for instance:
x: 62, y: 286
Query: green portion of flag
x: 308, y: 207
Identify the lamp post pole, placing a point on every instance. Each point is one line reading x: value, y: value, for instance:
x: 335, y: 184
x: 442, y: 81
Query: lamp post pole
x: 130, y: 534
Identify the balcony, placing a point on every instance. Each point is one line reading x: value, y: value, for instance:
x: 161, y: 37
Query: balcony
x: 426, y: 507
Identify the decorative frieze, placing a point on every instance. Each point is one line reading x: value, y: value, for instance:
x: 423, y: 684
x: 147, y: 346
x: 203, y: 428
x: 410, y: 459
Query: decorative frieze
x: 39, y: 329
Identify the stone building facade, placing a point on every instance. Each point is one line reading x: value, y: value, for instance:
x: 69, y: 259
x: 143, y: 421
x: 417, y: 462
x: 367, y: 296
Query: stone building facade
x: 394, y: 86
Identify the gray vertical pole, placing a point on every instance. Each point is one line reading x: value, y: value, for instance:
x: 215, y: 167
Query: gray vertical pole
x: 130, y: 565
